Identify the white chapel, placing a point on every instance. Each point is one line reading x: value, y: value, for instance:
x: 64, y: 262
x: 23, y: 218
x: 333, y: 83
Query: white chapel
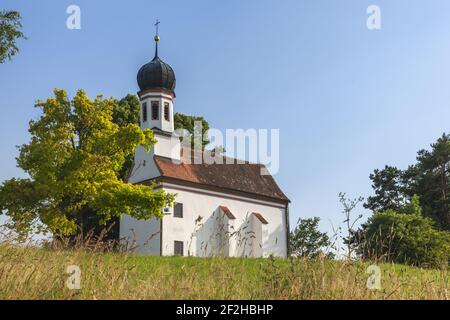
x: 221, y: 209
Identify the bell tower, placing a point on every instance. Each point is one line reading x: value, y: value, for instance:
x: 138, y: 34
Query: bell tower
x: 156, y: 80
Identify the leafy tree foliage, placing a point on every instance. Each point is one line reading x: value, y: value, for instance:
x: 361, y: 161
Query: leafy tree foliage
x: 429, y: 178
x: 187, y: 122
x: 126, y: 112
x: 10, y: 32
x: 306, y: 240
x: 389, y: 188
x: 73, y: 161
x: 403, y: 237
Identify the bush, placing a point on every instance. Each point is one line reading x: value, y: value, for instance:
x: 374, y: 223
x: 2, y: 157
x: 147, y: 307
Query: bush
x: 307, y: 241
x: 404, y: 238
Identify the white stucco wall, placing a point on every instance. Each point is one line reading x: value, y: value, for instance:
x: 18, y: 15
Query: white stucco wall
x: 161, y: 122
x: 256, y: 242
x: 144, y: 165
x: 201, y: 239
x: 213, y: 234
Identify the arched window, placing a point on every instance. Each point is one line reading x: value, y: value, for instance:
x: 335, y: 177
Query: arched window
x: 166, y: 111
x: 144, y: 112
x: 155, y: 110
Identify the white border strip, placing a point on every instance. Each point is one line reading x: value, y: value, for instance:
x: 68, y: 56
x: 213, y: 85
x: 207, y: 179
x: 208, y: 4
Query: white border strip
x: 220, y: 194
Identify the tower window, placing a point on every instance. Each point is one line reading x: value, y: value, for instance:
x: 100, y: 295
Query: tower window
x: 166, y: 111
x: 178, y: 248
x: 178, y: 210
x: 144, y: 112
x: 155, y: 110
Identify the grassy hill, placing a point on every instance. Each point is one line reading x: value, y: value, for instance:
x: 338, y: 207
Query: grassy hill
x: 31, y: 273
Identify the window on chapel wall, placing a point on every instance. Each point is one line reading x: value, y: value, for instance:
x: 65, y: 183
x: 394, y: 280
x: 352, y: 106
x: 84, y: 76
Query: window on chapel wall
x: 144, y: 112
x: 155, y: 110
x: 178, y: 248
x: 178, y: 210
x: 166, y: 111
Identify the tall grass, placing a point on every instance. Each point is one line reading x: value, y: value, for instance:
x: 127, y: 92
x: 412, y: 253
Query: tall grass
x: 28, y: 272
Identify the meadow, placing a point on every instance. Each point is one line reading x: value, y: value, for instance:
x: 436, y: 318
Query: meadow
x: 35, y: 273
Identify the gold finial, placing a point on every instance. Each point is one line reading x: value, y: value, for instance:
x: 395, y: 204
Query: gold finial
x: 156, y: 34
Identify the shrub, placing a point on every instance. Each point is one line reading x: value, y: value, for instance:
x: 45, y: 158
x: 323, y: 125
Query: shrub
x: 307, y: 241
x: 404, y: 238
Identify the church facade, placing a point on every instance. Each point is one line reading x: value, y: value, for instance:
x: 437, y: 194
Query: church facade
x: 227, y: 208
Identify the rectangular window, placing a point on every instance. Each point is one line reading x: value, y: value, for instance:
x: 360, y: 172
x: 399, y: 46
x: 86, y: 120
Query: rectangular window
x: 144, y: 112
x: 155, y: 110
x: 178, y: 248
x: 166, y: 111
x: 178, y: 210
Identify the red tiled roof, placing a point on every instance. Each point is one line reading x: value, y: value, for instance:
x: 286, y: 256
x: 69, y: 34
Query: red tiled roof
x: 243, y: 177
x: 260, y: 217
x: 227, y: 212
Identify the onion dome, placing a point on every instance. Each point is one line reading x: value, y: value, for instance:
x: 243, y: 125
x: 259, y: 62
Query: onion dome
x: 156, y: 74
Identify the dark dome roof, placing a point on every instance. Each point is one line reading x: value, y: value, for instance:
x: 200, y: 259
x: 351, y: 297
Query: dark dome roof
x: 156, y: 74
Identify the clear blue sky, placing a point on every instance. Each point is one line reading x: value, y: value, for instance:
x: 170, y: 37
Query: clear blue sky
x: 346, y: 99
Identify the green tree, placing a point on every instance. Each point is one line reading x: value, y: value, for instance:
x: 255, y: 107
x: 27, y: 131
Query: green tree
x: 10, y: 32
x: 429, y: 178
x: 306, y: 240
x: 403, y: 237
x: 73, y: 161
x: 389, y: 187
x: 126, y: 112
x: 183, y: 121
